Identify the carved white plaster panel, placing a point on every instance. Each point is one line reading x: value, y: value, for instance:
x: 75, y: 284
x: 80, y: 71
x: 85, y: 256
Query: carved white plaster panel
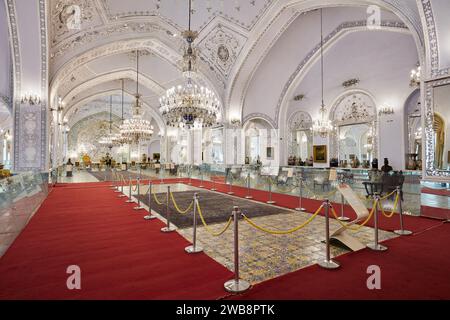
x: 69, y: 16
x: 221, y: 47
x: 353, y: 108
x: 300, y: 120
x: 243, y: 13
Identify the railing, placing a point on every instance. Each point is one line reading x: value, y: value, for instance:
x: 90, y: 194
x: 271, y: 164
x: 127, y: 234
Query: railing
x: 20, y: 197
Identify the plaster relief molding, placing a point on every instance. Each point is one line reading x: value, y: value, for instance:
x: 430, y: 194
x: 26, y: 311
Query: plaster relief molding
x: 93, y: 34
x: 432, y: 42
x: 44, y: 82
x: 270, y: 26
x: 61, y: 16
x: 258, y: 115
x: 330, y: 39
x: 111, y: 76
x: 300, y: 120
x: 153, y: 45
x: 153, y: 112
x: 217, y: 13
x: 220, y: 48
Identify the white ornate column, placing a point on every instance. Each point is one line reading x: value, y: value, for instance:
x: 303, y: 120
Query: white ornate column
x: 29, y: 43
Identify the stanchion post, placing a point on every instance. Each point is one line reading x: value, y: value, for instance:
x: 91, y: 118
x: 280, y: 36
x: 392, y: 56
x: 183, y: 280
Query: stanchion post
x: 270, y: 192
x: 402, y: 231
x: 230, y: 191
x: 121, y: 195
x: 328, y: 263
x: 375, y: 245
x: 300, y: 194
x: 139, y: 207
x: 248, y: 196
x: 168, y: 228
x: 194, y: 248
x: 117, y: 182
x: 129, y: 193
x: 150, y: 216
x: 236, y: 285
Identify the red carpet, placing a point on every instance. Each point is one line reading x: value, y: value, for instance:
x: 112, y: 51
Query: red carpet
x: 415, y: 267
x: 121, y: 256
x: 438, y: 192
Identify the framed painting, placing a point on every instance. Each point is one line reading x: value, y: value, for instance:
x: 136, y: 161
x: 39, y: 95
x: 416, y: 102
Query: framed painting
x: 320, y: 154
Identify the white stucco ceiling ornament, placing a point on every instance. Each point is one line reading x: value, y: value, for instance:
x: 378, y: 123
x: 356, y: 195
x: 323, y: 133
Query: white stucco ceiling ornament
x: 220, y: 47
x: 68, y: 16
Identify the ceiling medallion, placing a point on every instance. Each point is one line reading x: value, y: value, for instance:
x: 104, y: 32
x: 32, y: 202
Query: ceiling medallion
x: 223, y: 53
x: 189, y: 105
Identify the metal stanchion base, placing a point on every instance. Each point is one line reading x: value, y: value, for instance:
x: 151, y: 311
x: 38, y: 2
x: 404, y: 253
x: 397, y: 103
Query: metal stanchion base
x: 236, y: 286
x: 329, y: 264
x: 271, y: 202
x: 213, y: 189
x: 300, y: 209
x: 149, y: 217
x: 343, y: 218
x: 138, y: 208
x: 403, y: 232
x: 248, y: 197
x: 129, y: 201
x: 230, y: 192
x: 167, y: 230
x: 376, y: 247
x: 121, y: 196
x: 201, y: 186
x: 117, y: 191
x: 191, y: 249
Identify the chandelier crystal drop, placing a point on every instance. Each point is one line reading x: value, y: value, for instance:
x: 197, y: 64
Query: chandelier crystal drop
x: 107, y: 140
x: 189, y: 105
x: 136, y: 129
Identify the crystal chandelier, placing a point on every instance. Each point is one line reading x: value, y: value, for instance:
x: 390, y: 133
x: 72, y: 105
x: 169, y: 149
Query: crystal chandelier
x: 322, y: 126
x: 118, y: 139
x: 189, y: 105
x: 107, y: 140
x: 415, y: 76
x: 136, y: 129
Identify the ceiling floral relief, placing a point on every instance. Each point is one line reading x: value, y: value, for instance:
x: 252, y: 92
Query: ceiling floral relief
x: 221, y: 48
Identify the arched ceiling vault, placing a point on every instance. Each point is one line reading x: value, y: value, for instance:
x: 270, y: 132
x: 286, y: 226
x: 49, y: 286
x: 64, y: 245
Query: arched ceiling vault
x: 150, y: 112
x: 277, y: 20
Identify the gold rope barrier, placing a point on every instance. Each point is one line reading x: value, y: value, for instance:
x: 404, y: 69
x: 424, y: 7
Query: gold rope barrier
x: 176, y: 205
x: 207, y: 227
x: 393, y: 209
x: 249, y: 221
x: 156, y: 199
x: 388, y: 195
x: 374, y: 206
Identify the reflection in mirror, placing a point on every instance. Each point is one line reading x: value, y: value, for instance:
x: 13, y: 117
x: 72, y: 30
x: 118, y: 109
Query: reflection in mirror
x: 355, y: 145
x: 440, y: 127
x: 414, y: 126
x: 300, y: 139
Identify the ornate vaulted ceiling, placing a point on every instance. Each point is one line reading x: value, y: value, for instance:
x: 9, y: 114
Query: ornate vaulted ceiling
x: 235, y: 37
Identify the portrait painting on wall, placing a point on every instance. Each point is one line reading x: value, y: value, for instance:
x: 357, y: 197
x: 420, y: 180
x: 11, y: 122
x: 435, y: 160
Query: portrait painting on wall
x: 320, y: 154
